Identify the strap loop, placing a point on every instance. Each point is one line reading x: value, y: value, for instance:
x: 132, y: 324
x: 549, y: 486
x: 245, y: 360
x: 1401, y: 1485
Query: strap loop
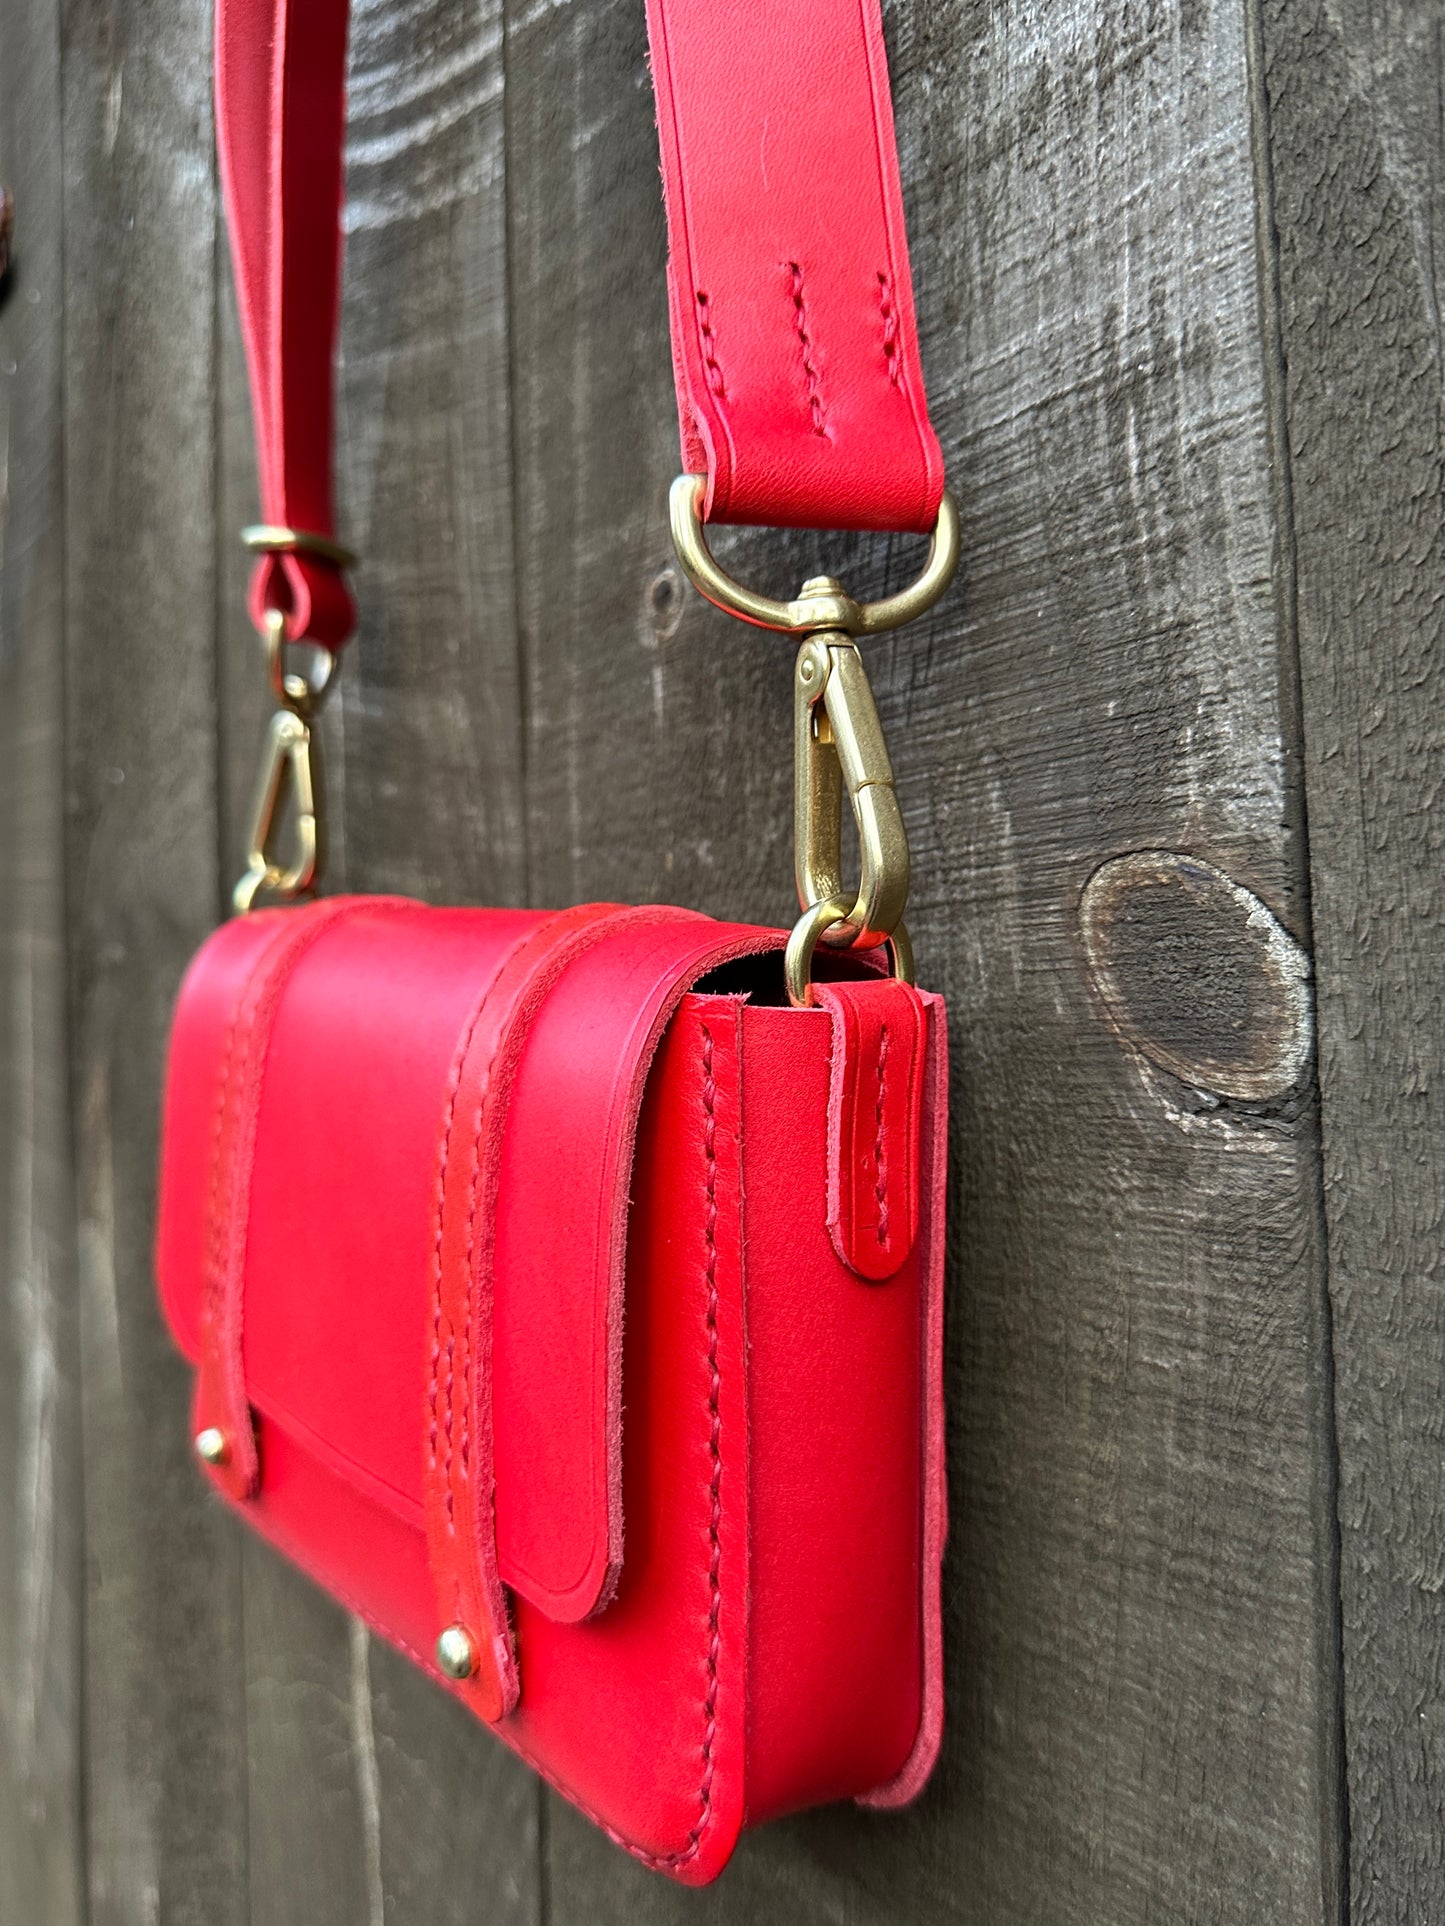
x: 810, y: 613
x: 262, y: 539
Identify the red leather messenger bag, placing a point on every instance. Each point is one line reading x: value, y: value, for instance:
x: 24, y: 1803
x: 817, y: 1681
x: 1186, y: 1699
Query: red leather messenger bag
x: 608, y: 1384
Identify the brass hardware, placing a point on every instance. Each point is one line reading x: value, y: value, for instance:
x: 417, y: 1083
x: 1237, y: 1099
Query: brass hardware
x: 290, y: 759
x: 837, y: 737
x: 810, y: 613
x: 838, y: 744
x: 264, y: 538
x: 810, y: 927
x: 297, y: 693
x: 456, y: 1654
x: 213, y: 1447
x: 290, y: 752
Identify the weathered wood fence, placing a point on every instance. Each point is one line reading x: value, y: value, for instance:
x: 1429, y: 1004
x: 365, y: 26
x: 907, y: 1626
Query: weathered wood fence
x: 1180, y: 270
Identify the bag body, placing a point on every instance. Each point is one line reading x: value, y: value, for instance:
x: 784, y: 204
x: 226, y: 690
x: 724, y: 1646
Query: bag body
x: 551, y: 1279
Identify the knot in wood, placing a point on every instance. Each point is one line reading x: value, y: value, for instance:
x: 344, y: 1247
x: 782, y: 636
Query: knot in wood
x: 1198, y: 974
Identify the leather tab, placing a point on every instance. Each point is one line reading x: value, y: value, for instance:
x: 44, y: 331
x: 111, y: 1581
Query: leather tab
x: 221, y: 1402
x: 459, y: 1481
x: 875, y: 1094
x: 559, y: 1255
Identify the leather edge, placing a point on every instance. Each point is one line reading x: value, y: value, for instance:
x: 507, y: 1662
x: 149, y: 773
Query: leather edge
x: 913, y: 1775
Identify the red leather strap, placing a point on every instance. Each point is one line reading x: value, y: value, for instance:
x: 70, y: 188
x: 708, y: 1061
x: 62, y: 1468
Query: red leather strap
x: 280, y: 117
x: 794, y: 346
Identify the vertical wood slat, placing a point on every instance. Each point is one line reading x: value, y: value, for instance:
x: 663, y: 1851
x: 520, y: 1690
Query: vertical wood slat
x: 41, y: 1845
x: 164, y: 1729
x: 371, y: 1796
x: 1142, y: 1627
x: 1357, y: 152
x: 1142, y: 1712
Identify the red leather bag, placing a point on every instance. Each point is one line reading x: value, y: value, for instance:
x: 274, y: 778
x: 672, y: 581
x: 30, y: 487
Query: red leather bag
x: 607, y: 1385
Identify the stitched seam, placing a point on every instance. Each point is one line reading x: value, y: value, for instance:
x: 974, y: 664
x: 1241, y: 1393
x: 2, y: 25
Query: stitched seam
x: 893, y: 360
x: 805, y: 343
x: 214, y: 1266
x: 435, y: 1393
x: 217, y: 1265
x: 879, y: 1160
x: 881, y: 99
x: 674, y: 1861
x: 450, y: 1408
x: 709, y: 347
x: 213, y: 1233
x: 474, y: 1204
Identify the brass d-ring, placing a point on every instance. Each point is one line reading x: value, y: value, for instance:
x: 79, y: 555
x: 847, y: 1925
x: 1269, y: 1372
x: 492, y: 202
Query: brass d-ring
x: 266, y: 538
x: 830, y: 608
x: 804, y: 940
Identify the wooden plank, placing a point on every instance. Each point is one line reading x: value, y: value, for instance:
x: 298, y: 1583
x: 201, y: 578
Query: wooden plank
x: 1141, y: 1635
x: 1357, y: 151
x: 41, y: 1853
x: 371, y: 1797
x: 165, y: 1796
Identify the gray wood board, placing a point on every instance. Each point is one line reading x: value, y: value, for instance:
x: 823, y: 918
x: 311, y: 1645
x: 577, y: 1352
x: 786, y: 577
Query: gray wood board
x: 1142, y: 1628
x: 1202, y: 502
x: 1357, y: 148
x: 41, y: 1848
x: 164, y: 1717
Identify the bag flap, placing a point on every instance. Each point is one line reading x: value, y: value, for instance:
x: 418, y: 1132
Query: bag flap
x: 365, y: 1093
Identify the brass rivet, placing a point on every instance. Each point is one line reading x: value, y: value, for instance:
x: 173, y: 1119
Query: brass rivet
x: 213, y: 1446
x: 821, y: 585
x: 456, y: 1654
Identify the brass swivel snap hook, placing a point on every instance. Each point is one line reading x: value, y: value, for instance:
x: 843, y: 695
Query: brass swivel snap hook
x: 838, y: 745
x: 291, y: 752
x: 837, y: 739
x: 290, y: 763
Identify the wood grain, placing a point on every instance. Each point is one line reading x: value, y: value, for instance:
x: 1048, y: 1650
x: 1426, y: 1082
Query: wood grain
x: 41, y: 1846
x: 1178, y: 277
x: 1357, y: 151
x: 164, y: 1724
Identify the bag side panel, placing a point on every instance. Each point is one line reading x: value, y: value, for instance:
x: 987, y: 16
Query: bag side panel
x: 836, y: 1423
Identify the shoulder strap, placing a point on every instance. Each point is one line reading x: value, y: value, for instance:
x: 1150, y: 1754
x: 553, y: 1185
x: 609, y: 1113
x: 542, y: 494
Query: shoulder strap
x: 280, y: 120
x: 798, y: 382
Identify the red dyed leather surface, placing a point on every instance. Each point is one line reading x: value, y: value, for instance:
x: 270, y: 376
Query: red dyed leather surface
x: 280, y: 114
x: 462, y: 1403
x: 874, y: 1098
x: 770, y: 1638
x: 794, y: 342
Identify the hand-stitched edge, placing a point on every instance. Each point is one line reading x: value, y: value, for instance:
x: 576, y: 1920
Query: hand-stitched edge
x: 930, y: 454
x: 222, y: 1367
